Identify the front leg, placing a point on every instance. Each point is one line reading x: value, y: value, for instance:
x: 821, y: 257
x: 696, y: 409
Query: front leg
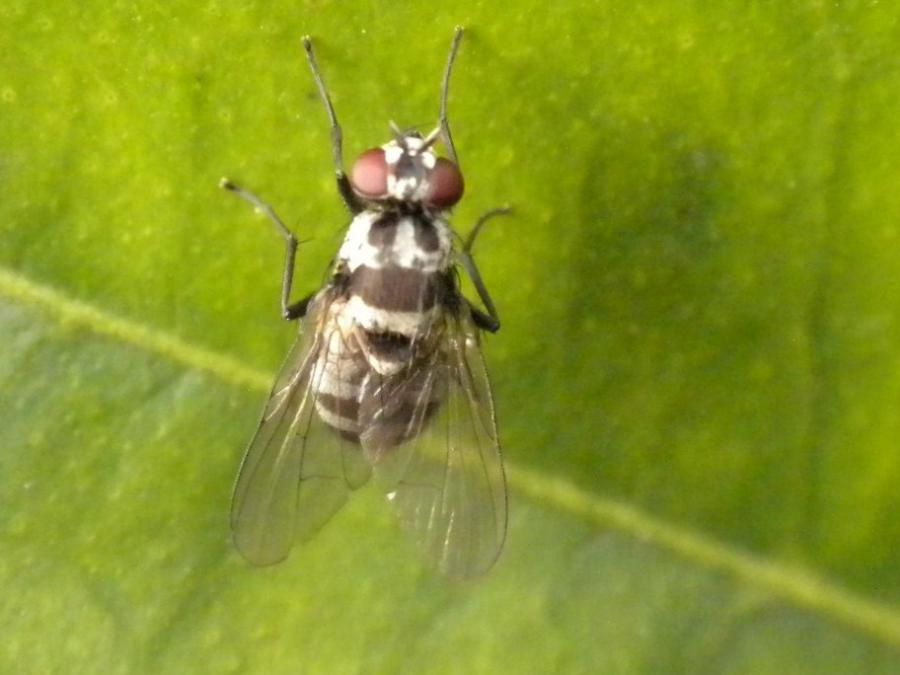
x: 353, y: 203
x: 443, y: 121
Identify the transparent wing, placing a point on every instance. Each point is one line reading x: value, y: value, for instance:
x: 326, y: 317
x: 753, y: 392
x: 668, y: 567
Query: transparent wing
x: 297, y: 471
x: 446, y: 483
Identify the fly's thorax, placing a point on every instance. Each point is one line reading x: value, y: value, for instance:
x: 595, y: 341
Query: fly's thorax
x: 397, y: 267
x: 392, y: 238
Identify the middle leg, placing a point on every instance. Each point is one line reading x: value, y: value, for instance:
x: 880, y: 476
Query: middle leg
x: 490, y: 321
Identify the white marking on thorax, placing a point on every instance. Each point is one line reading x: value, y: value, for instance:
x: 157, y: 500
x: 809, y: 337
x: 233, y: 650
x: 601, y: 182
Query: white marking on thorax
x: 403, y: 251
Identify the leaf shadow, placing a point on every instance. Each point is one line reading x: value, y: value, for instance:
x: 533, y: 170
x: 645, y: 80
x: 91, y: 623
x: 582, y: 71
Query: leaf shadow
x: 641, y: 292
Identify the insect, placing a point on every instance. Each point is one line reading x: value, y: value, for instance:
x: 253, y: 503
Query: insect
x: 386, y: 378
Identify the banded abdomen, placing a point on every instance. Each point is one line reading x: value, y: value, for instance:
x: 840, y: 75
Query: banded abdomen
x: 338, y: 373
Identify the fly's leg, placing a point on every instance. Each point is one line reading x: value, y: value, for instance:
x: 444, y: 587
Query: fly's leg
x: 445, y: 89
x: 352, y: 202
x: 289, y: 311
x: 491, y: 320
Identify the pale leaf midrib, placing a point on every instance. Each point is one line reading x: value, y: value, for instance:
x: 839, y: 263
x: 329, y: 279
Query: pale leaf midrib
x: 794, y: 585
x: 70, y: 311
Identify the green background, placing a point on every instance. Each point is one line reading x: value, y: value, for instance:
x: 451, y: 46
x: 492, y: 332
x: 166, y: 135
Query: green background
x: 697, y: 376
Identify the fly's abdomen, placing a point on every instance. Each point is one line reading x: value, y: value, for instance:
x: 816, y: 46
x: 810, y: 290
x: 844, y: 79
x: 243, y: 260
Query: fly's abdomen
x: 397, y: 409
x: 339, y: 373
x: 376, y: 387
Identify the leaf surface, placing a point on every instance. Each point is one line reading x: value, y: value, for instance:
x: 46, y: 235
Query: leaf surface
x: 697, y: 375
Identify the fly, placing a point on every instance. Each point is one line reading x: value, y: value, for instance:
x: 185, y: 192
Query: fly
x: 386, y: 377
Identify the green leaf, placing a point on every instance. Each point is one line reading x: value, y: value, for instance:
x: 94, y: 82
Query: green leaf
x: 697, y: 375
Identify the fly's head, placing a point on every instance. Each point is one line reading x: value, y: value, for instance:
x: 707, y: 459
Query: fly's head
x: 408, y: 170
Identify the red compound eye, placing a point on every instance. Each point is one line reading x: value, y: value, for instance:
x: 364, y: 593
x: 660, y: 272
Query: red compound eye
x: 446, y: 184
x: 369, y: 175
